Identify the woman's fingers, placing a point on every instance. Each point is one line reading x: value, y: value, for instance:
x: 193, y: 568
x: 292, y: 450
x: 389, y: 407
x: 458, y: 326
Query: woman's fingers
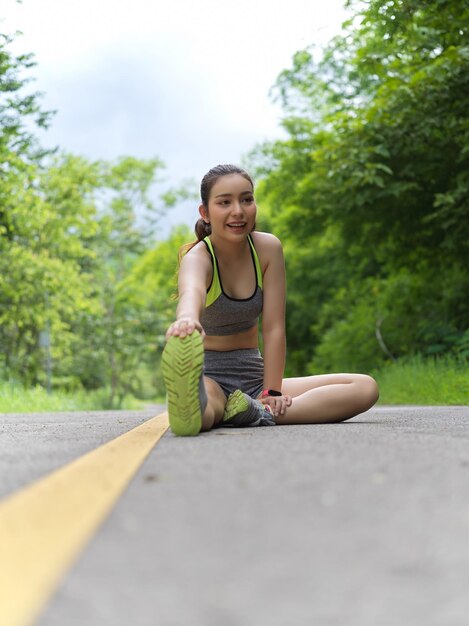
x: 283, y: 405
x: 183, y: 327
x: 286, y: 402
x: 278, y: 404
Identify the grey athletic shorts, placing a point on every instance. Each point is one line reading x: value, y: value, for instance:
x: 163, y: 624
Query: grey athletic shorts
x: 236, y: 369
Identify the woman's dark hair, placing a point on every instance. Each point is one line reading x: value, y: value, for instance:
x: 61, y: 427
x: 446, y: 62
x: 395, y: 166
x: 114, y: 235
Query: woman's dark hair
x: 202, y: 229
x: 214, y: 174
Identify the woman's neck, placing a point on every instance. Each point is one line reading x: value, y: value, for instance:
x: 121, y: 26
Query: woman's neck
x: 228, y: 249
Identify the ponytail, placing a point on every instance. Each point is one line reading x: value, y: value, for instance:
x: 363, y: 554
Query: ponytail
x: 202, y: 229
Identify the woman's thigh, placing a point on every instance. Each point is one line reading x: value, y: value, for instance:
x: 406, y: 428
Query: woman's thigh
x: 296, y: 386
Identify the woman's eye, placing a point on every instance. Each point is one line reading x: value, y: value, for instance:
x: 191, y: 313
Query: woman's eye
x: 248, y: 200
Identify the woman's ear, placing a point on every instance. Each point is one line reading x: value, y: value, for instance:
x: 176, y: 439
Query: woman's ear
x: 204, y: 214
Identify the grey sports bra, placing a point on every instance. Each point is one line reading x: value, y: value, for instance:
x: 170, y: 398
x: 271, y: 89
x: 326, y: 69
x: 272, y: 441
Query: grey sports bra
x: 224, y: 315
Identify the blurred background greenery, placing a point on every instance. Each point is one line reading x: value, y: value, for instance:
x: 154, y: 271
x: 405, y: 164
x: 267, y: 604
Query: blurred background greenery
x: 369, y: 193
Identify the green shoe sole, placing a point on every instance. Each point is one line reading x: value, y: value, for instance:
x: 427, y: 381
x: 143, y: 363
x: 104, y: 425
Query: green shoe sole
x: 182, y: 364
x: 235, y: 404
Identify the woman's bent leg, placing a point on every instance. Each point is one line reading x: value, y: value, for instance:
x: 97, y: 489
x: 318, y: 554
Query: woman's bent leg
x: 328, y: 398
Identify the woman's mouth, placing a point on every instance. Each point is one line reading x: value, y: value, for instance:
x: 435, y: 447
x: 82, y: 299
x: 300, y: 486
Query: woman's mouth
x: 236, y: 225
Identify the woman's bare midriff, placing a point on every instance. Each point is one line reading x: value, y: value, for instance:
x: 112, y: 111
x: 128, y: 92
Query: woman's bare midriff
x: 239, y: 341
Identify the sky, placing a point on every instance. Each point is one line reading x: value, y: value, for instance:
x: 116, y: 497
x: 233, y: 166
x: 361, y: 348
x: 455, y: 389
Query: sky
x: 185, y: 80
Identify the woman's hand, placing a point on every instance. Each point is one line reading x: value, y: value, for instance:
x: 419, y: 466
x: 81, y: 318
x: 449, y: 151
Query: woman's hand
x: 278, y: 404
x: 184, y: 326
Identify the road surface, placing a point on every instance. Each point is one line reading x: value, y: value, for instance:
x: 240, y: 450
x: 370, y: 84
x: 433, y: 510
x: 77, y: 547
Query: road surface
x: 363, y: 523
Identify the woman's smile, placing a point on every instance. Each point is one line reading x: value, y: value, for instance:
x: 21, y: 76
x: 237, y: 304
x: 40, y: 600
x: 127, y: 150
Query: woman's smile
x: 237, y: 226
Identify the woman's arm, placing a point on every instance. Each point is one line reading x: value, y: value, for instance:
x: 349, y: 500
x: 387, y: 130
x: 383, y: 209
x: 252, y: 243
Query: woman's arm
x: 273, y: 324
x: 194, y: 274
x: 273, y: 314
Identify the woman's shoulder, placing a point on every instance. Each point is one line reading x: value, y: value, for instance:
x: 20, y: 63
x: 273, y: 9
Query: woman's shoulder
x: 265, y: 238
x: 266, y: 242
x: 197, y: 254
x: 268, y: 247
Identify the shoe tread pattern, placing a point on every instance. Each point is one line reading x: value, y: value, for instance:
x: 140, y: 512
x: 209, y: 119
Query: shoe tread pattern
x: 182, y: 364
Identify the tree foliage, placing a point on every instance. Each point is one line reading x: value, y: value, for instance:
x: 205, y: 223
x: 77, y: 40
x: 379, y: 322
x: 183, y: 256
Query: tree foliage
x: 72, y: 240
x: 81, y: 277
x: 370, y: 190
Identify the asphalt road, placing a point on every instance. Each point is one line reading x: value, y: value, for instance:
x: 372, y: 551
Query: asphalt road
x: 364, y: 523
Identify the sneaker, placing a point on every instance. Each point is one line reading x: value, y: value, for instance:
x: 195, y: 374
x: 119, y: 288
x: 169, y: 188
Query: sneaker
x: 182, y: 365
x: 242, y: 410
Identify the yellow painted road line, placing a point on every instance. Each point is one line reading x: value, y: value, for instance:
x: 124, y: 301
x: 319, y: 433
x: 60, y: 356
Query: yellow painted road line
x: 45, y: 526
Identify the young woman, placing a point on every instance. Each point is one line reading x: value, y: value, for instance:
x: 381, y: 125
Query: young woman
x: 212, y: 368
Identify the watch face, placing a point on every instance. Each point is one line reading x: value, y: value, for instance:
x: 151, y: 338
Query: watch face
x: 272, y: 392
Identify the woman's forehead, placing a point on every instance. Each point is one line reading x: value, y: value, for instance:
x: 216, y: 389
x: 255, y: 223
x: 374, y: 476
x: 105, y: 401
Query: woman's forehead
x: 231, y: 184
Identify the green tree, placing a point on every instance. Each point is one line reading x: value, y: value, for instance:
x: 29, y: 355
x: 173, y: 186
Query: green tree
x: 20, y: 115
x: 147, y: 295
x: 76, y: 242
x: 108, y: 342
x: 42, y: 284
x: 377, y: 159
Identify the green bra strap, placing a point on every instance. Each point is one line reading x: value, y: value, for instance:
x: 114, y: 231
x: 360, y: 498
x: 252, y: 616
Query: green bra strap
x: 215, y: 288
x: 256, y: 262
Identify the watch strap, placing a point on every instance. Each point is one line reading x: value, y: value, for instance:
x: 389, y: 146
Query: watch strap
x: 271, y: 392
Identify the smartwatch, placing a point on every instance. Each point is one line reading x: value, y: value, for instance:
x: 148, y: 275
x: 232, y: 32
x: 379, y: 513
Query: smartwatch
x: 270, y: 392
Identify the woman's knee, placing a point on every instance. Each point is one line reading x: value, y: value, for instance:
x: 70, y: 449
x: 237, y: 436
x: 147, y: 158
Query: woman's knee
x: 368, y: 391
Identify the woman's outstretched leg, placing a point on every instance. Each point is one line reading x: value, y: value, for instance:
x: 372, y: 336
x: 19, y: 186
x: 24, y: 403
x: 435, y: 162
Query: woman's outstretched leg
x: 328, y: 398
x: 182, y: 366
x: 195, y: 402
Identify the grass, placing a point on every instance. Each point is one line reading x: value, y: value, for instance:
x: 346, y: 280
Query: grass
x: 442, y: 381
x: 14, y: 398
x: 422, y: 381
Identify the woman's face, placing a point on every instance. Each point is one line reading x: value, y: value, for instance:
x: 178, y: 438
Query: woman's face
x: 231, y: 207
